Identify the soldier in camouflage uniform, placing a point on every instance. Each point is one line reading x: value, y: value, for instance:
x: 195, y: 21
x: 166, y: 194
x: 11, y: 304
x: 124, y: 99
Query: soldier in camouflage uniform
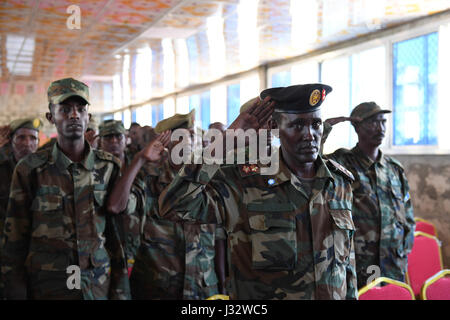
x: 56, y: 214
x: 24, y: 137
x: 382, y: 208
x: 4, y: 138
x: 133, y: 147
x: 176, y: 259
x: 290, y: 234
x: 113, y: 140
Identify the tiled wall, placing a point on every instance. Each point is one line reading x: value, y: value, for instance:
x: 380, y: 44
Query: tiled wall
x: 429, y: 179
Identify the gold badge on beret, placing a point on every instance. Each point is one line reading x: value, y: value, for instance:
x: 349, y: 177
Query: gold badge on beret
x: 36, y: 123
x: 314, y: 98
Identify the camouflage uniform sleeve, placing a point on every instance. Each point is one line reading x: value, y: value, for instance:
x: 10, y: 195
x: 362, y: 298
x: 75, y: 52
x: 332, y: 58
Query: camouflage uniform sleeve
x: 119, y: 285
x: 409, y: 215
x: 17, y: 233
x: 350, y: 268
x: 188, y: 197
x: 352, y: 288
x: 133, y: 216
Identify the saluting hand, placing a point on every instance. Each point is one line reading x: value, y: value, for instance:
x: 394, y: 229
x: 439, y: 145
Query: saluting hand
x: 333, y: 121
x: 4, y: 135
x: 255, y: 116
x: 154, y: 150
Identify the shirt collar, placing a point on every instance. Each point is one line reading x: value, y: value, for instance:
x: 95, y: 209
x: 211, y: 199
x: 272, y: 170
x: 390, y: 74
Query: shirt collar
x: 285, y: 174
x: 63, y: 162
x: 366, y: 161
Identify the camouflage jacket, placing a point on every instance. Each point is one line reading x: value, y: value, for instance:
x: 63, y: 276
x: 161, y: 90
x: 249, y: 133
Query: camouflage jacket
x: 382, y: 213
x: 5, y: 151
x: 7, y: 165
x: 281, y: 243
x: 56, y: 218
x: 130, y: 220
x: 176, y: 258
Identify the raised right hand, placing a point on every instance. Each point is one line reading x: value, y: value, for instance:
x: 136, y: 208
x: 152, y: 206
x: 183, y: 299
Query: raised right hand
x: 255, y: 116
x: 154, y: 150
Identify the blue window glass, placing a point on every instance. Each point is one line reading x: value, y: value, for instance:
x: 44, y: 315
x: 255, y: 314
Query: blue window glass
x: 133, y: 115
x: 107, y: 117
x: 281, y: 79
x: 194, y: 103
x: 160, y: 112
x: 193, y: 54
x: 154, y: 116
x: 233, y: 102
x: 157, y: 114
x: 133, y: 79
x: 415, y: 90
x: 205, y: 110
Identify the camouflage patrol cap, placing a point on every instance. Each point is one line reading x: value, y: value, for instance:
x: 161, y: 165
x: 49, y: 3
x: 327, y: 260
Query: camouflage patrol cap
x: 111, y: 127
x: 366, y: 110
x: 28, y: 123
x: 62, y: 89
x: 300, y: 98
x: 248, y: 104
x: 178, y: 121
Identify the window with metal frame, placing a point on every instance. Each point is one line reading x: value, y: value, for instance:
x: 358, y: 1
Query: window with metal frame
x: 415, y: 67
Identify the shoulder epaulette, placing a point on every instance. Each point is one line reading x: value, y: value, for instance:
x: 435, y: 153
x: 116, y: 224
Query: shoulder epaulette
x: 336, y: 167
x: 35, y: 160
x: 394, y: 161
x: 337, y: 153
x: 248, y: 169
x: 343, y: 151
x: 106, y: 156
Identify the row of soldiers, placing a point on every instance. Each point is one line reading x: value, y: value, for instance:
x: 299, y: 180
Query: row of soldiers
x: 312, y: 230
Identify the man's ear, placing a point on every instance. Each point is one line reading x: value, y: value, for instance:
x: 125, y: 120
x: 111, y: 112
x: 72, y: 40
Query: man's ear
x: 273, y: 124
x: 356, y: 126
x: 49, y: 117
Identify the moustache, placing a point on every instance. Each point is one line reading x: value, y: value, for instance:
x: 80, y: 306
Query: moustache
x: 307, y: 147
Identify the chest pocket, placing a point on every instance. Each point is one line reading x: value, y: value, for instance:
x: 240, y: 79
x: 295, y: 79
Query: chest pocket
x: 398, y: 203
x: 398, y: 225
x: 99, y: 194
x: 273, y: 236
x: 48, y: 216
x: 343, y: 229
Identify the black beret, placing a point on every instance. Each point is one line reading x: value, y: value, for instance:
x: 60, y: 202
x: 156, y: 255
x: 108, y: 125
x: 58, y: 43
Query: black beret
x: 300, y: 98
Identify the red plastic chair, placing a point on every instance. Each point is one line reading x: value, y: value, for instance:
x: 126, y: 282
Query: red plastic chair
x: 424, y: 261
x: 130, y: 266
x: 425, y: 226
x: 394, y: 290
x: 437, y: 287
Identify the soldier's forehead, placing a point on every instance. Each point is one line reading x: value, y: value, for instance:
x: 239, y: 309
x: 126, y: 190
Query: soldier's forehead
x: 378, y: 116
x: 26, y: 131
x: 290, y: 117
x: 74, y: 100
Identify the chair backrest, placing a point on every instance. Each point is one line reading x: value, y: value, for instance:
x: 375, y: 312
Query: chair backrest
x: 437, y: 287
x: 425, y: 226
x: 219, y: 297
x: 424, y: 260
x: 393, y: 290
